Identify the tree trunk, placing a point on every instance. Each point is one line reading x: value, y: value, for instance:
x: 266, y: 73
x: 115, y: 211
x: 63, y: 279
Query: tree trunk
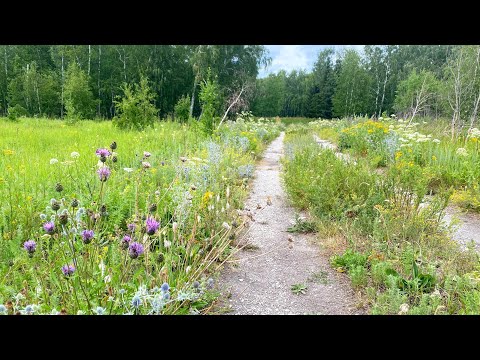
x: 6, y: 80
x: 387, y: 72
x: 63, y: 85
x: 98, y: 79
x: 476, y: 99
x: 89, y: 58
x: 233, y: 103
x: 192, y: 102
x: 38, y: 100
x: 474, y: 114
x: 377, y: 93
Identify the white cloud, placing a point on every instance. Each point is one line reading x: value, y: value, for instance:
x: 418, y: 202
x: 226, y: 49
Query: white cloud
x: 290, y: 57
x: 296, y: 57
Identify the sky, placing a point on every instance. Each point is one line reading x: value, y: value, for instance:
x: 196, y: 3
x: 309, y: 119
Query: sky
x: 296, y: 57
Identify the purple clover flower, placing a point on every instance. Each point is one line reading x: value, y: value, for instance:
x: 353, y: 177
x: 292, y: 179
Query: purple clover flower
x: 152, y: 225
x: 102, y: 152
x: 103, y: 173
x: 125, y: 242
x: 146, y: 154
x: 87, y: 236
x: 68, y: 270
x: 49, y: 227
x: 131, y: 227
x: 30, y: 246
x: 135, y: 250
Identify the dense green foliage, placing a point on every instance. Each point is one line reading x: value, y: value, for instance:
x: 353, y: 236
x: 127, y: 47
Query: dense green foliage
x: 135, y: 109
x: 209, y: 98
x: 79, y: 101
x: 376, y: 83
x: 35, y: 76
x: 182, y: 109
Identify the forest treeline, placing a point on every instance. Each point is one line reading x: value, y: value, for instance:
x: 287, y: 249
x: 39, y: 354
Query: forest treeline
x: 90, y: 80
x: 410, y: 80
x: 42, y: 80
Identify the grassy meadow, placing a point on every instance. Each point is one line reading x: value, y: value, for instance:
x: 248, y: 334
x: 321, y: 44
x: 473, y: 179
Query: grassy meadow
x: 132, y: 228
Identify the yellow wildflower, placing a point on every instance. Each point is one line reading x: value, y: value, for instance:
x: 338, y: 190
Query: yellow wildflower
x: 207, y: 196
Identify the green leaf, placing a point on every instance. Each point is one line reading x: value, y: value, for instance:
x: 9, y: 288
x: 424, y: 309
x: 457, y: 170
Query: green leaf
x: 391, y: 272
x: 415, y: 269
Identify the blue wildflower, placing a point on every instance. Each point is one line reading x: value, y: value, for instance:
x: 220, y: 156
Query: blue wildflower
x: 136, y: 301
x: 246, y: 171
x: 100, y: 310
x: 210, y: 283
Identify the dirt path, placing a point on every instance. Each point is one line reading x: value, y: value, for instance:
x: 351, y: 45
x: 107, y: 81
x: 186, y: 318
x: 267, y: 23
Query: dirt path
x: 259, y: 280
x: 466, y: 231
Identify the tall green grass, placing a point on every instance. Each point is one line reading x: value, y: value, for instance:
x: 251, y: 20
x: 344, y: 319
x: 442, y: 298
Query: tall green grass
x: 189, y: 183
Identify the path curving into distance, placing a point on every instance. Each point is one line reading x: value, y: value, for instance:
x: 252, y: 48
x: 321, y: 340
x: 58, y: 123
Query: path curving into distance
x: 258, y: 279
x: 466, y: 231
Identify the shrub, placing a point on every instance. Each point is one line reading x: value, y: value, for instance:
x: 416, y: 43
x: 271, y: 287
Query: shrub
x: 182, y: 109
x: 135, y: 110
x: 358, y: 275
x: 79, y: 100
x: 350, y: 260
x: 15, y: 112
x: 210, y: 100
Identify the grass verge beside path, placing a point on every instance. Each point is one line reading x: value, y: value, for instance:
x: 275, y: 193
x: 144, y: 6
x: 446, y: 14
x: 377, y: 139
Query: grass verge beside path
x: 394, y: 251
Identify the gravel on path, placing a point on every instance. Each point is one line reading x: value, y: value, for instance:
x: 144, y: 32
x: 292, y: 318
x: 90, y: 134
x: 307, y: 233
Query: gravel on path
x: 259, y: 280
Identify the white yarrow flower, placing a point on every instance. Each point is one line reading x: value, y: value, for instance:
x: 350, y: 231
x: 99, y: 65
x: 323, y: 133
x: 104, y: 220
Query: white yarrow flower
x: 462, y: 152
x: 128, y: 169
x: 75, y: 155
x: 53, y: 161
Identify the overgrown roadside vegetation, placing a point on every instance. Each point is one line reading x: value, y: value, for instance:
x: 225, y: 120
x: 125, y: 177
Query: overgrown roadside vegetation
x: 374, y: 224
